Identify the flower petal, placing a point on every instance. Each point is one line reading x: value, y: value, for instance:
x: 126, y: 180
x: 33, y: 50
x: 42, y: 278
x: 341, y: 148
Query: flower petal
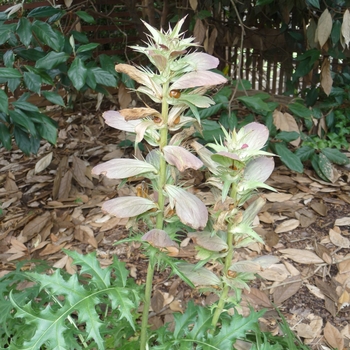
x: 255, y: 136
x: 123, y: 168
x: 259, y: 169
x: 127, y: 207
x: 200, y: 61
x: 117, y: 121
x: 190, y: 209
x: 194, y: 79
x: 181, y: 158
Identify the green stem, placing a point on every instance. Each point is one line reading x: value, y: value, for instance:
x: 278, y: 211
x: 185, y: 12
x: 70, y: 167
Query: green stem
x: 228, y: 260
x: 162, y: 163
x: 146, y: 305
x: 224, y: 293
x: 159, y: 219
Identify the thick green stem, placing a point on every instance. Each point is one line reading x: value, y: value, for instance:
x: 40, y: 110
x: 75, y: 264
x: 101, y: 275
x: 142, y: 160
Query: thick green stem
x: 159, y: 220
x: 162, y: 163
x: 146, y: 305
x: 224, y: 293
x: 228, y: 260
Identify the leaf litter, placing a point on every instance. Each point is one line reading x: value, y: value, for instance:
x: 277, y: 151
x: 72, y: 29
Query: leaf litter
x: 52, y: 201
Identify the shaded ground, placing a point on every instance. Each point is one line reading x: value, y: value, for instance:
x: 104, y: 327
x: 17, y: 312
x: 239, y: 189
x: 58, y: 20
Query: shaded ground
x: 51, y: 202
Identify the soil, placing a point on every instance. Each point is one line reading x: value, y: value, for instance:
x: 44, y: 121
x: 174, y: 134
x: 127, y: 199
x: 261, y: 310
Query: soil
x: 57, y: 206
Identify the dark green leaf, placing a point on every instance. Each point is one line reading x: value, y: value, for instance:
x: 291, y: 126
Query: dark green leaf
x: 47, y: 128
x: 9, y: 58
x: 77, y: 73
x: 46, y: 79
x: 85, y: 17
x: 287, y: 136
x: 21, y: 119
x: 48, y: 36
x: 4, y: 103
x: 304, y: 153
x: 30, y: 54
x: 210, y: 111
x: 5, y: 136
x: 25, y: 106
x: 315, y: 164
x: 263, y: 2
x: 107, y: 64
x: 335, y: 34
x: 314, y: 3
x: 51, y: 60
x: 335, y: 156
x: 13, y: 83
x: 6, y: 31
x: 23, y: 140
x: 90, y: 79
x: 54, y: 98
x: 24, y: 31
x: 289, y: 158
x: 10, y: 73
x: 300, y: 110
x: 326, y: 167
x: 80, y: 37
x: 228, y: 122
x: 32, y: 81
x: 254, y: 102
x: 87, y: 47
x: 104, y: 78
x: 43, y: 12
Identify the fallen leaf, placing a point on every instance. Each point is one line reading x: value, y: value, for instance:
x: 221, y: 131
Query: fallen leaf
x: 338, y: 240
x: 333, y: 337
x: 36, y: 225
x: 315, y: 291
x: 284, y: 292
x: 345, y: 221
x: 319, y: 208
x: 43, y: 163
x: 157, y: 301
x: 258, y: 297
x: 287, y: 225
x: 301, y: 256
x: 278, y: 197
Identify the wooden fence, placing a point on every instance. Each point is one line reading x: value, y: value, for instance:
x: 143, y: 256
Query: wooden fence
x: 267, y: 70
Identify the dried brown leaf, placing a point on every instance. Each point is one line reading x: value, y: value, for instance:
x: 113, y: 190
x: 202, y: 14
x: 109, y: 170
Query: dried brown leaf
x: 333, y: 336
x: 284, y: 292
x: 278, y: 197
x: 157, y: 301
x: 345, y: 221
x: 199, y: 31
x: 287, y: 225
x: 301, y: 256
x: 79, y: 173
x: 43, y: 163
x: 324, y: 27
x: 258, y: 297
x: 36, y: 225
x: 326, y: 76
x: 124, y: 96
x: 338, y: 240
x: 52, y: 249
x: 139, y: 113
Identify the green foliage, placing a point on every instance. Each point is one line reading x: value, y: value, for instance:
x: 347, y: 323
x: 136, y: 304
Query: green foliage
x: 65, y: 312
x: 39, y: 57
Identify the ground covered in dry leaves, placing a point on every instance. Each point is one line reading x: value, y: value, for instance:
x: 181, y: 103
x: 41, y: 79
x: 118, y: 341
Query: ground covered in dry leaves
x: 51, y: 201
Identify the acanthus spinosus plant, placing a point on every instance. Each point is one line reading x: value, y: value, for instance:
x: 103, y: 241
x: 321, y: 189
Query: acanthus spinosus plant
x: 237, y: 168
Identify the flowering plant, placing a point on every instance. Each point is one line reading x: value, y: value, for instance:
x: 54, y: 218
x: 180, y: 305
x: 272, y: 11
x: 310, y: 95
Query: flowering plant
x: 237, y: 168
